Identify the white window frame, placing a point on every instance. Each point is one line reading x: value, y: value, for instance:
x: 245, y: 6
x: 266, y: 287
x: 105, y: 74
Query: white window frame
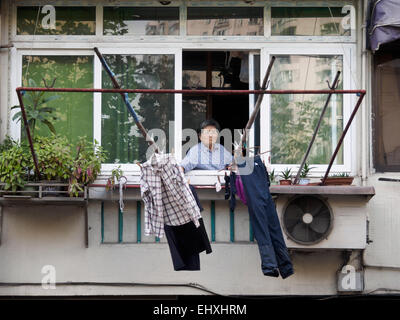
x: 177, y: 147
x: 349, y: 101
x: 16, y: 77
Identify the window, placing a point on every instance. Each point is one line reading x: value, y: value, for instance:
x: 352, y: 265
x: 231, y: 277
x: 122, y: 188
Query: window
x: 210, y: 20
x: 73, y: 110
x: 293, y: 118
x: 308, y: 21
x: 386, y: 100
x: 68, y: 21
x: 141, y: 21
x: 120, y: 136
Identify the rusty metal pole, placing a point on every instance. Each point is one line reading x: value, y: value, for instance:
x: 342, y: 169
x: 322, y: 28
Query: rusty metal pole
x: 189, y: 91
x: 125, y: 98
x: 362, y: 94
x: 28, y: 132
x: 328, y: 99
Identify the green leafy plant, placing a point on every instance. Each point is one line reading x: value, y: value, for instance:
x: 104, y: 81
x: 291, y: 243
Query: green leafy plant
x: 286, y: 174
x: 37, y: 110
x: 7, y: 143
x: 116, y: 175
x: 54, y: 156
x: 14, y: 165
x: 305, y: 171
x: 272, y: 176
x: 87, y: 165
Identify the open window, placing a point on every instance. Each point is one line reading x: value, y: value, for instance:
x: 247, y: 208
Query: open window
x: 220, y: 70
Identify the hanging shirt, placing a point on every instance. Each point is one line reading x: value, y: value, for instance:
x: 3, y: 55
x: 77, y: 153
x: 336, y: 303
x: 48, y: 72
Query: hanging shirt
x: 201, y: 157
x: 166, y: 195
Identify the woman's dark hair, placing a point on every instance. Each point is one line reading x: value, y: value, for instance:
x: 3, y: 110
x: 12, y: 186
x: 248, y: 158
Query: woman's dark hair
x: 209, y: 122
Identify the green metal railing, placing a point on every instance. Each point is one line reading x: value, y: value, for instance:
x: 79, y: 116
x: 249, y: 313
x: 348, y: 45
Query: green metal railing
x: 156, y: 239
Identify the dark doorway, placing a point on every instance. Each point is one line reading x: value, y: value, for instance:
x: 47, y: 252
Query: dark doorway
x: 223, y: 70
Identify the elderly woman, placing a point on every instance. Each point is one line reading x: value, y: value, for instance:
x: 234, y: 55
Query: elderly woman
x: 207, y: 154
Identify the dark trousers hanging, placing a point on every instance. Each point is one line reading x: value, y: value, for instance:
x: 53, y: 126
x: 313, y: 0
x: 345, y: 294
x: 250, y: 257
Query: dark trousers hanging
x: 186, y: 242
x: 264, y: 219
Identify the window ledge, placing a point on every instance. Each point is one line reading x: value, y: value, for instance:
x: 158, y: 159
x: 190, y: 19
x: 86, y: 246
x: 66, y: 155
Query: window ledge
x: 324, y: 190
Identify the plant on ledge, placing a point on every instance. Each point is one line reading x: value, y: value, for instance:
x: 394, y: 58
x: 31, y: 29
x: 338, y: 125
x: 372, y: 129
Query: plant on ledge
x: 116, y: 175
x: 87, y: 165
x: 304, y: 174
x: 54, y: 158
x: 14, y: 165
x: 287, y: 177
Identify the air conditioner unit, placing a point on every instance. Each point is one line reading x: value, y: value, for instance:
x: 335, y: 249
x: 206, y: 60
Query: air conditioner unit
x: 323, y: 222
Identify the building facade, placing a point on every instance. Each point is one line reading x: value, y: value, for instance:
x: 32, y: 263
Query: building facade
x: 90, y: 246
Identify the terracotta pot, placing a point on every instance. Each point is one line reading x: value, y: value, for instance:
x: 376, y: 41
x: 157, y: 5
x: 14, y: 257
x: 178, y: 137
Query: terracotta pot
x: 285, y: 182
x: 338, y: 181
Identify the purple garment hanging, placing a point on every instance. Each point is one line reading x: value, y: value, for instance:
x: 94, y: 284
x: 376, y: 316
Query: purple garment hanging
x: 240, y: 190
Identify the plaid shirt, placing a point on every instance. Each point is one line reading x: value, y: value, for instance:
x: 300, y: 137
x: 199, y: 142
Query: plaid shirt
x: 166, y: 195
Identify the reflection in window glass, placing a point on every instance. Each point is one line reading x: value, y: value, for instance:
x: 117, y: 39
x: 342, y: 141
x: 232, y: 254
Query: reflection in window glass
x: 141, y: 21
x: 225, y: 21
x: 68, y: 21
x: 74, y: 110
x: 120, y: 136
x: 294, y: 117
x: 307, y: 21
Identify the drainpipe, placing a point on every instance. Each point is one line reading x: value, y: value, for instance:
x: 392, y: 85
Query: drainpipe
x: 364, y: 113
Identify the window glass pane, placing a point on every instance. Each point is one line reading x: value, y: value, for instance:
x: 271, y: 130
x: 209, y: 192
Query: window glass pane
x: 141, y: 21
x: 225, y: 21
x: 119, y: 134
x: 68, y: 21
x: 387, y: 140
x: 308, y: 21
x: 294, y: 117
x: 74, y: 110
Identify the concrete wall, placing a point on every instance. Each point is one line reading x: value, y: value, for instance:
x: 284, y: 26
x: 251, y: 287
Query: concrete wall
x: 35, y: 237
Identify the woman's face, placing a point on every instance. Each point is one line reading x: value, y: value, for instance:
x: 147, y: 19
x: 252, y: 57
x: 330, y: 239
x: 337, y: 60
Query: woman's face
x: 209, y: 135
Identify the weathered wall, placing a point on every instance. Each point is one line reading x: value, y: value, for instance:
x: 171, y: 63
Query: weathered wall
x: 34, y: 237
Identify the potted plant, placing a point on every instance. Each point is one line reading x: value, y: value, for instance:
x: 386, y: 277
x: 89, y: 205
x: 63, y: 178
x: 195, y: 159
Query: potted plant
x: 116, y: 175
x: 342, y: 178
x: 13, y: 168
x: 87, y: 165
x: 55, y: 162
x: 272, y: 177
x: 304, y: 174
x: 287, y: 177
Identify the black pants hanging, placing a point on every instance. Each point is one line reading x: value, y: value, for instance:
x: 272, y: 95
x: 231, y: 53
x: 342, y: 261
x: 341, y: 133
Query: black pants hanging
x: 186, y: 242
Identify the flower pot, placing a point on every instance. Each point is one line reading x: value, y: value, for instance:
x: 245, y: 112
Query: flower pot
x: 304, y: 181
x: 285, y: 182
x: 54, y: 187
x: 338, y: 181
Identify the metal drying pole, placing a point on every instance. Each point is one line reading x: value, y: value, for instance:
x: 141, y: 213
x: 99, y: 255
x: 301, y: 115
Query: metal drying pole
x: 126, y: 100
x: 334, y: 86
